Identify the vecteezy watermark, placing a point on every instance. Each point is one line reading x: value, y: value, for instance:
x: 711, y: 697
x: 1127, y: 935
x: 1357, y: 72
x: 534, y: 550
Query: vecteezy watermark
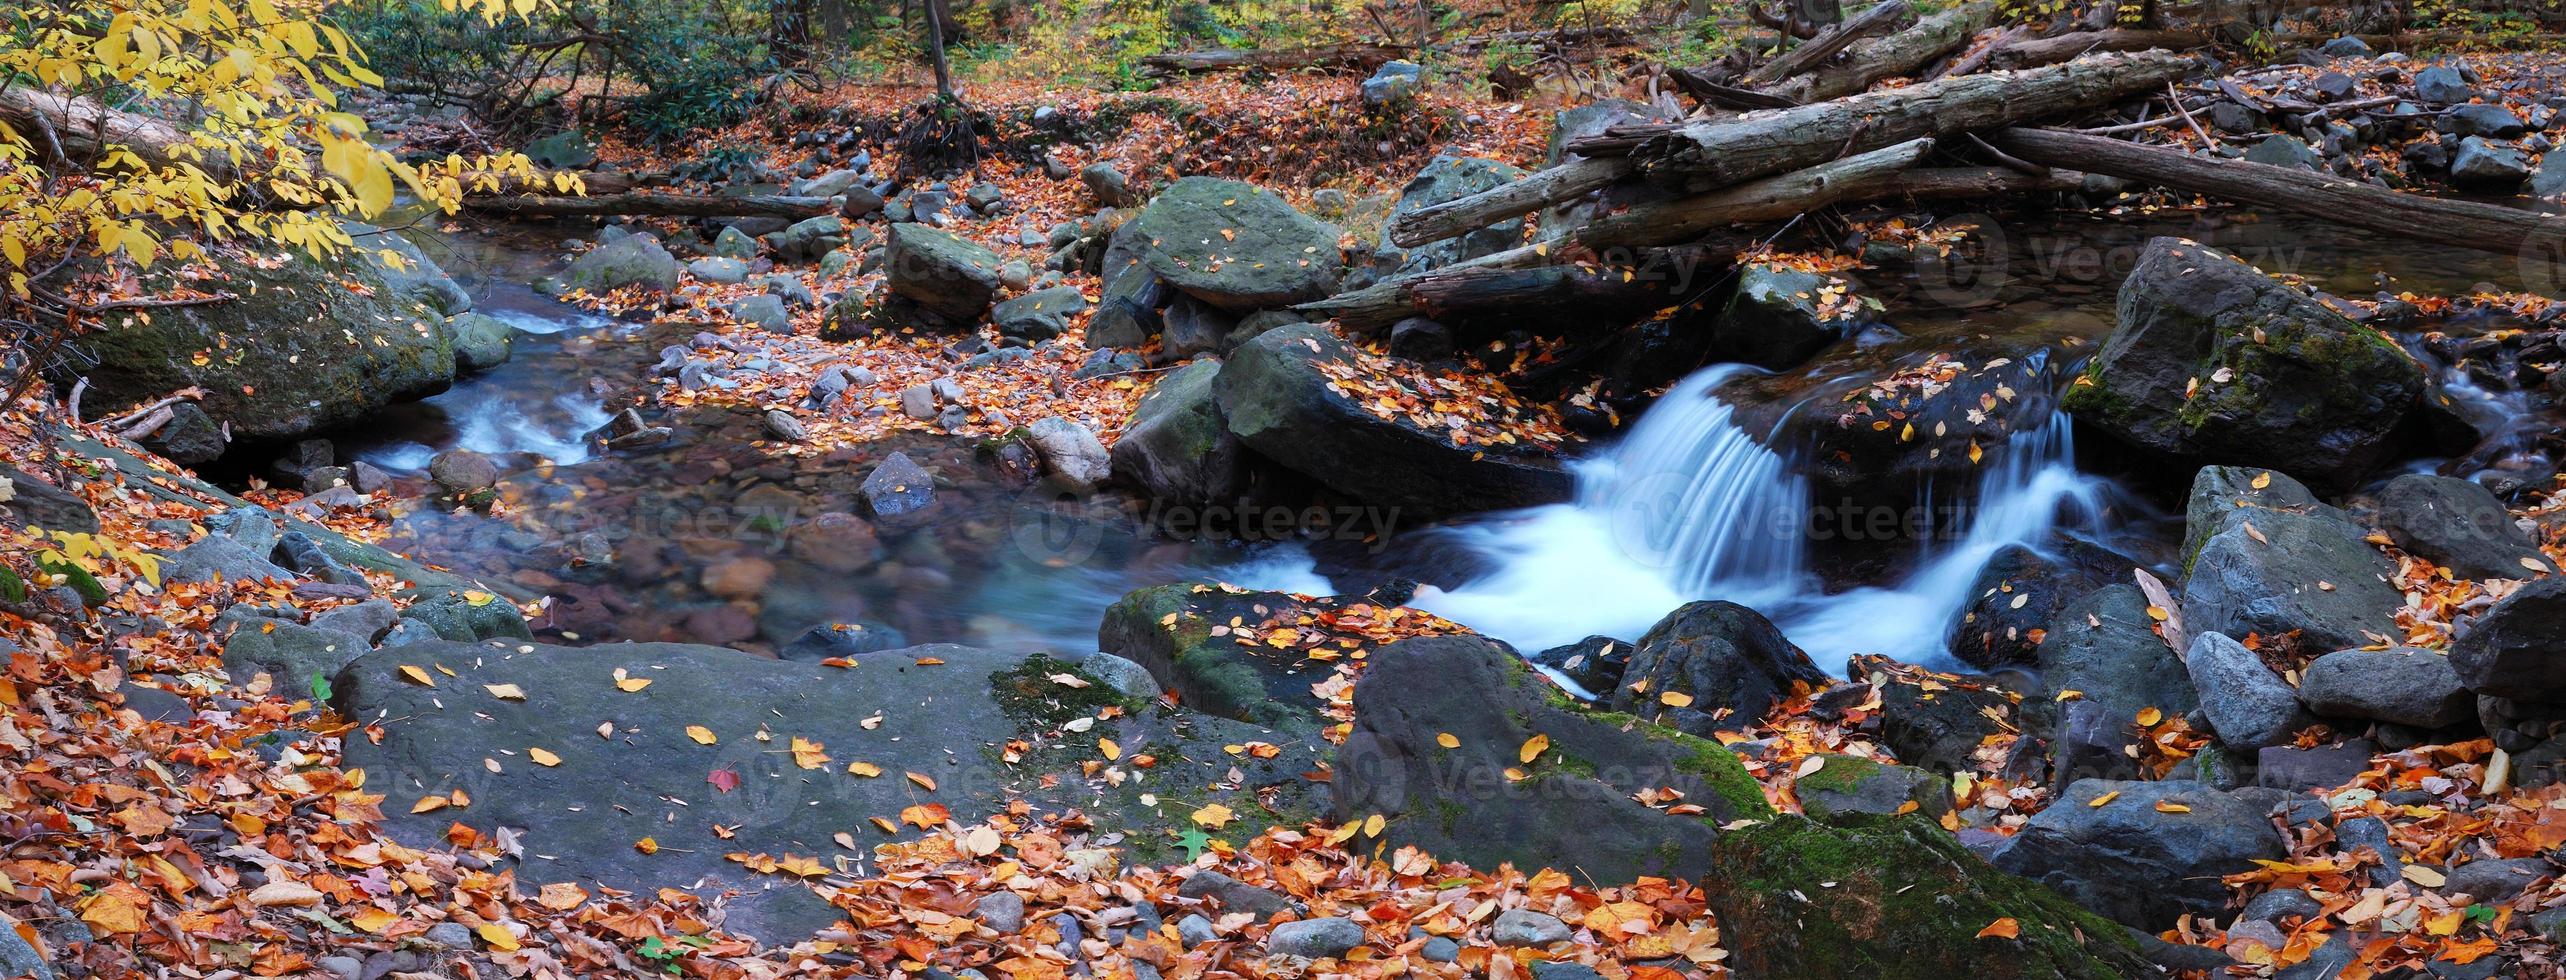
x: 1055, y: 527
x: 1991, y: 256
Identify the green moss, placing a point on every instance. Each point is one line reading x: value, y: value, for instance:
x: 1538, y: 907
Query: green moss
x: 1840, y: 774
x: 1027, y: 693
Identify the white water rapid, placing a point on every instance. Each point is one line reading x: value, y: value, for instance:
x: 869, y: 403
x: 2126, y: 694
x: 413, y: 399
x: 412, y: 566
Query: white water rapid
x: 1690, y: 506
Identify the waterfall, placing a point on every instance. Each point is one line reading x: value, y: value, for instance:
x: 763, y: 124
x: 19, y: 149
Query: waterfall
x: 1690, y: 506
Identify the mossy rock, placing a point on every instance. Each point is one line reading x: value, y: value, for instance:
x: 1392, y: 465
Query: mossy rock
x: 2213, y: 361
x: 1168, y: 629
x: 1237, y: 246
x: 1440, y: 730
x: 1895, y: 896
x: 1847, y: 785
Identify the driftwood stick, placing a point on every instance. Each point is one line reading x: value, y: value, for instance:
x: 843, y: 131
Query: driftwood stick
x: 1880, y: 19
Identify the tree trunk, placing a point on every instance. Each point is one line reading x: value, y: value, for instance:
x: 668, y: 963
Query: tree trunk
x: 1718, y: 153
x: 1771, y: 199
x: 1452, y: 219
x: 1354, y: 55
x: 1601, y: 293
x: 2538, y: 240
x: 82, y: 129
x: 935, y: 48
x: 1902, y: 53
x: 650, y: 202
x: 1882, y: 18
x: 2066, y: 47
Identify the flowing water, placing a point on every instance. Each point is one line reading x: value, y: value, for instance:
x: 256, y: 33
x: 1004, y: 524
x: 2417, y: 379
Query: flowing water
x: 710, y: 540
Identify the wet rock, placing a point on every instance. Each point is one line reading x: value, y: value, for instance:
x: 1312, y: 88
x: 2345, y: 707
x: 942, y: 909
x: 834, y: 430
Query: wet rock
x: 1776, y: 321
x: 2093, y: 741
x: 2549, y: 181
x: 189, y: 438
x: 2211, y: 360
x: 1846, y: 784
x: 2281, y: 904
x: 1938, y: 728
x: 2517, y: 650
x: 465, y: 616
x: 1573, y: 806
x: 944, y: 274
x: 2443, y: 84
x: 842, y: 641
x: 2092, y: 853
x: 2286, y: 151
x: 2493, y: 880
x: 481, y: 342
x: 1280, y: 401
x: 1722, y: 654
x: 1420, y: 339
x: 1896, y: 897
x: 586, y: 812
x: 2105, y: 645
x: 2018, y: 594
x: 1444, y: 179
x: 634, y: 260
x: 1071, y: 455
x: 2403, y: 686
x: 1235, y: 245
x: 292, y: 654
x: 1178, y: 446
x: 299, y: 552
x: 2482, y: 119
x: 2458, y: 524
x: 2357, y: 834
x: 365, y: 620
x: 897, y: 487
x: 1168, y: 630
x: 2294, y: 573
x: 1595, y: 663
x: 218, y: 557
x: 2323, y: 767
x: 2248, y: 705
x: 463, y: 472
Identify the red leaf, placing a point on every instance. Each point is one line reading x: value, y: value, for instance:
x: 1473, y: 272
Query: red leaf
x: 725, y: 780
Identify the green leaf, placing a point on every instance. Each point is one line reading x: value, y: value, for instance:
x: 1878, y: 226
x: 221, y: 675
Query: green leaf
x: 320, y: 687
x: 1193, y: 840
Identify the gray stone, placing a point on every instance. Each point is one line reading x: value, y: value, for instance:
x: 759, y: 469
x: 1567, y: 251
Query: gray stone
x: 1111, y: 187
x: 719, y: 271
x: 2092, y: 854
x: 33, y: 502
x: 2286, y: 151
x: 2322, y: 767
x: 295, y: 656
x: 366, y: 620
x: 19, y: 959
x: 1234, y: 895
x: 2292, y: 572
x: 2489, y: 166
x: 1122, y: 674
x: 1392, y: 84
x: 569, y: 149
x: 1774, y: 320
x: 1039, y: 315
x: 2371, y: 833
x: 1525, y: 927
x: 2248, y: 705
x: 1315, y: 939
x: 2483, y: 119
x: 897, y: 487
x: 808, y: 238
x: 464, y: 616
x: 2517, y: 650
x: 2105, y: 645
x: 634, y: 260
x: 1071, y: 455
x: 1235, y: 245
x: 733, y: 243
x: 2283, y: 903
x: 449, y: 935
x: 1846, y: 785
x: 2458, y: 524
x: 1448, y: 178
x: 462, y: 471
x: 481, y: 342
x: 2492, y: 880
x: 765, y: 311
x: 2404, y: 686
x: 218, y: 557
x: 1002, y: 911
x: 2443, y: 84
x: 1178, y: 446
x: 1194, y: 930
x: 945, y: 275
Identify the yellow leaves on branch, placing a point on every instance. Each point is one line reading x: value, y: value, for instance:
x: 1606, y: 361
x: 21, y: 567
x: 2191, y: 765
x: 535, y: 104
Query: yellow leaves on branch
x: 225, y: 124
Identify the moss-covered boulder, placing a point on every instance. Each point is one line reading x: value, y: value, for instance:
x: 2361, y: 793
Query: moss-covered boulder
x: 2214, y: 362
x: 1895, y: 897
x: 1280, y: 395
x: 1471, y: 755
x: 302, y: 345
x: 1850, y: 784
x: 1170, y: 630
x: 481, y: 341
x: 632, y: 260
x: 1178, y: 447
x: 1236, y: 246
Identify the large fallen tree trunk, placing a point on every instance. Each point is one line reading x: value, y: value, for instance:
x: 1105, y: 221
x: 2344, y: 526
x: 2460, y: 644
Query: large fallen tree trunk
x: 1902, y: 53
x: 80, y: 130
x: 2067, y: 47
x: 1630, y: 282
x: 2529, y: 235
x: 1771, y: 199
x: 1942, y: 183
x: 1356, y: 55
x: 656, y: 203
x: 1460, y: 217
x: 1717, y: 153
x: 1882, y: 18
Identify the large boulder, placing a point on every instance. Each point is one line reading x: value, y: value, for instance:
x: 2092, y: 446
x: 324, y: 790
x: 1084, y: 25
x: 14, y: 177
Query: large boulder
x: 31, y: 501
x: 1896, y: 897
x: 633, y: 260
x: 1170, y: 630
x: 946, y: 275
x: 1781, y: 316
x: 481, y: 341
x: 2459, y: 525
x: 1236, y: 246
x: 2018, y: 593
x: 2213, y: 361
x: 2248, y: 705
x: 2271, y: 561
x: 1729, y: 660
x: 2177, y: 837
x: 2517, y: 650
x: 2104, y: 646
x: 1479, y: 800
x: 303, y: 346
x: 1450, y: 178
x: 2403, y: 686
x: 1178, y: 447
x: 1279, y: 395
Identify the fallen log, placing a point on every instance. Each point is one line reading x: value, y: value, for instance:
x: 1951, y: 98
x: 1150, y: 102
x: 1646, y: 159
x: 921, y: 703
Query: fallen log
x: 2528, y: 235
x: 1942, y: 183
x: 655, y: 203
x: 1771, y: 199
x: 80, y: 130
x: 1902, y: 53
x: 1354, y: 55
x: 2068, y: 47
x: 1717, y: 153
x: 1630, y: 282
x: 1460, y: 217
x: 1882, y: 18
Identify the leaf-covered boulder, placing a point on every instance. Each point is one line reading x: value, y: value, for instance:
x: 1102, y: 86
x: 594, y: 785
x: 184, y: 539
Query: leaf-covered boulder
x: 302, y: 346
x: 2271, y: 561
x: 2214, y: 362
x: 2143, y: 853
x: 1280, y: 395
x: 1471, y: 755
x: 1714, y: 655
x: 1170, y: 630
x: 1236, y: 246
x: 1896, y: 897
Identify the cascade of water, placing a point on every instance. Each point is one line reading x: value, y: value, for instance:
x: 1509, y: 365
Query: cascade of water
x: 1690, y: 506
